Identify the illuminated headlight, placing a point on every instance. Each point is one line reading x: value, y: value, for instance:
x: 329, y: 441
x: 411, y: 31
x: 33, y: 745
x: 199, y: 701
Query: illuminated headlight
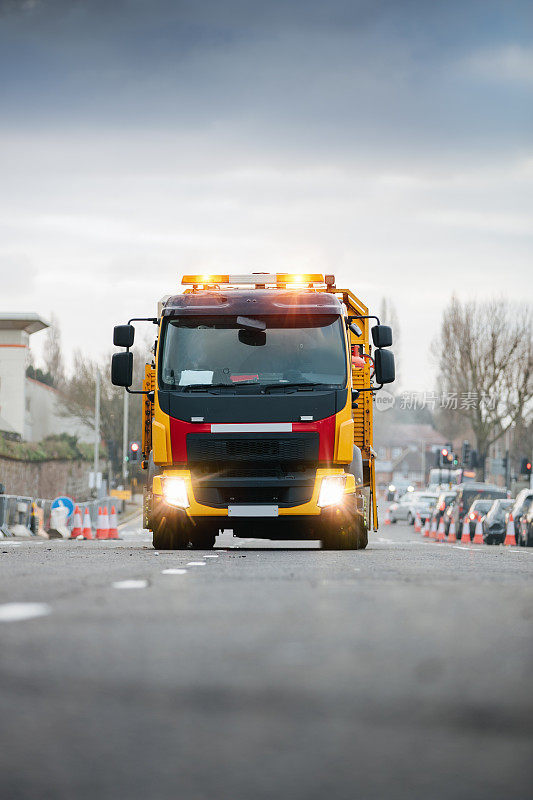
x: 175, y: 492
x: 331, y: 490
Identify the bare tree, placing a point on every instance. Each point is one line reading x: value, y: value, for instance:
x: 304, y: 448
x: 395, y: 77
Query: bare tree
x: 78, y: 399
x: 485, y: 355
x: 52, y: 354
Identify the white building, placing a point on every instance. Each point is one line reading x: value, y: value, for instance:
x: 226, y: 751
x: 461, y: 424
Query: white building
x: 28, y: 407
x: 15, y: 332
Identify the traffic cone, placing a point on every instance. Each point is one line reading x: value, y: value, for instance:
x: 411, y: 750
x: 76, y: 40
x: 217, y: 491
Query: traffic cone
x: 478, y: 533
x: 433, y: 529
x: 87, y: 527
x: 386, y: 521
x: 465, y: 534
x: 76, y: 524
x: 452, y: 538
x: 441, y: 537
x: 509, y: 532
x: 113, y: 530
x: 418, y: 522
x: 101, y: 528
x: 426, y: 528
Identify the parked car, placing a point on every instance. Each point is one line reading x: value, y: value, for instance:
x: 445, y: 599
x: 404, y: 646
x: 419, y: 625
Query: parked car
x: 411, y: 503
x: 521, y: 503
x: 477, y: 511
x: 467, y: 493
x: 493, y: 523
x: 526, y: 526
x: 441, y: 506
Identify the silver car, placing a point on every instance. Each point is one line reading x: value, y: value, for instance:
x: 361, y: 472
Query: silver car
x: 411, y: 503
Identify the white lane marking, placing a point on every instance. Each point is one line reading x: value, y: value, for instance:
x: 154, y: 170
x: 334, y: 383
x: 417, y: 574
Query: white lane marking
x: 467, y: 549
x: 15, y: 612
x: 173, y: 571
x: 131, y: 584
x: 196, y: 564
x: 209, y: 555
x: 11, y: 544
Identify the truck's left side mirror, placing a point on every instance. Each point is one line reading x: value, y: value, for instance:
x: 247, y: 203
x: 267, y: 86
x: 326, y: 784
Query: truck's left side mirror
x: 123, y: 336
x: 382, y: 336
x: 122, y: 369
x: 384, y: 366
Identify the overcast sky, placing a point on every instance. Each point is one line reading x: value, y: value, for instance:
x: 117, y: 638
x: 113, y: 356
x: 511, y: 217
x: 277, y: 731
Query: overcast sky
x: 388, y: 142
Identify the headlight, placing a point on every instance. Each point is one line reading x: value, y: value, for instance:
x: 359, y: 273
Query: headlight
x: 331, y: 490
x: 175, y: 492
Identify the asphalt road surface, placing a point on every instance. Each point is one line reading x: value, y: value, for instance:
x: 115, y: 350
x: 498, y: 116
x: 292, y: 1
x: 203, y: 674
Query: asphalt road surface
x: 265, y: 670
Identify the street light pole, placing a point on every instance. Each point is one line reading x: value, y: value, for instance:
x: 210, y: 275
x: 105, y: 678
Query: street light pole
x: 97, y: 429
x: 125, y: 437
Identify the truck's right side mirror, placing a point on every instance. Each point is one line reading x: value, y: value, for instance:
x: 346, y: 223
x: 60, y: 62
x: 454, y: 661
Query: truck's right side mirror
x: 123, y: 335
x: 122, y: 369
x: 385, y: 370
x: 382, y: 336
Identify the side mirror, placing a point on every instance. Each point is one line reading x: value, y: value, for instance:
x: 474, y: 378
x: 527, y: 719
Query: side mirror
x: 384, y: 366
x: 122, y: 368
x: 382, y: 336
x: 123, y: 336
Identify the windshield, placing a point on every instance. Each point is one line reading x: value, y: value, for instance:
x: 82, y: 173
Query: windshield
x: 216, y: 351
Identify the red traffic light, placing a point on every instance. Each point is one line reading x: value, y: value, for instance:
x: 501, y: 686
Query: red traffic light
x: 134, y: 447
x: 528, y: 466
x: 444, y: 452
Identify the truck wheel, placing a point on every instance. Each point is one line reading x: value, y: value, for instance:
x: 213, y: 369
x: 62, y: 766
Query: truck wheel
x: 352, y: 536
x: 170, y: 537
x: 203, y: 539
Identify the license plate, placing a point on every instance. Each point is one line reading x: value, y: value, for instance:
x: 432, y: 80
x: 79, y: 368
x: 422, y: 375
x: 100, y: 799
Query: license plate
x: 253, y: 511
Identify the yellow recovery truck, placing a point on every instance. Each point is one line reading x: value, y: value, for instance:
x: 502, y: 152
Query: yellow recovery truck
x: 258, y: 410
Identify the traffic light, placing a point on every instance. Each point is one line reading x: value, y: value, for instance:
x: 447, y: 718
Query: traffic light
x: 466, y: 450
x: 473, y: 458
x: 525, y: 467
x: 134, y: 451
x: 446, y: 455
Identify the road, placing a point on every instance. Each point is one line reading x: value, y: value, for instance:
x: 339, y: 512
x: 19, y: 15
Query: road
x: 266, y: 670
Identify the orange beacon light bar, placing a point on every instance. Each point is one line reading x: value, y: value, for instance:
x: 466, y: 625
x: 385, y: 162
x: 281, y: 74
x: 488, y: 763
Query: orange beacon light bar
x: 254, y: 279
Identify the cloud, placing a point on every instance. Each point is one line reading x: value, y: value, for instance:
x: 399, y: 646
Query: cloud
x: 508, y: 64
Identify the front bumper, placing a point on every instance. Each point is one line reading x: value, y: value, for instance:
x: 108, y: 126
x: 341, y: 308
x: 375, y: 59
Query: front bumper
x: 308, y: 509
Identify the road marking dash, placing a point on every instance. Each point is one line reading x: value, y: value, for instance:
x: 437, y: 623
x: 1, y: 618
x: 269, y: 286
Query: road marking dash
x: 209, y: 556
x: 173, y: 571
x: 130, y: 584
x: 196, y: 564
x: 15, y: 612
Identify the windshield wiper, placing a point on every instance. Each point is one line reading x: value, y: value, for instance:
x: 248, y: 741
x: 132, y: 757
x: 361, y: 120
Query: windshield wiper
x: 206, y: 387
x: 296, y: 385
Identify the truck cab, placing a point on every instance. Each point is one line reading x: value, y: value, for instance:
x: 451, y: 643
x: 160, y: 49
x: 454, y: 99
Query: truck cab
x: 258, y: 411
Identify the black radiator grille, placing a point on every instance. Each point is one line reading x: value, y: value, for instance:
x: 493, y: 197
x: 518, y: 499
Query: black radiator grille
x: 228, y: 448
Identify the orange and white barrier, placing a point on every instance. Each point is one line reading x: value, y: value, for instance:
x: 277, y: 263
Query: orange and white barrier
x: 441, y: 536
x: 509, y: 532
x: 452, y: 538
x: 87, y: 527
x: 418, y: 522
x: 478, y: 533
x: 76, y: 524
x: 465, y: 533
x: 113, y: 530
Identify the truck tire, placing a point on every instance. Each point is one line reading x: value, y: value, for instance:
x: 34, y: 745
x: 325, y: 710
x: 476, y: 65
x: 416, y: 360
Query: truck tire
x: 169, y: 536
x: 351, y: 536
x: 171, y: 531
x: 203, y: 538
